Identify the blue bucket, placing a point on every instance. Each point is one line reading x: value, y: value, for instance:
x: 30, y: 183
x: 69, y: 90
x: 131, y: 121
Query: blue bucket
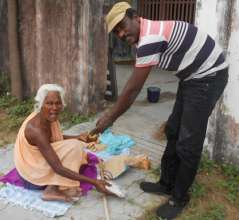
x: 153, y: 94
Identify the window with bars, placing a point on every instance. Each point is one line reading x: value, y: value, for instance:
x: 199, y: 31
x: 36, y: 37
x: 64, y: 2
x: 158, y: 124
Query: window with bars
x: 183, y: 10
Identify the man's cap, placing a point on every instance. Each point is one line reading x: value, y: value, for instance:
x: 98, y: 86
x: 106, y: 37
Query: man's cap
x: 116, y: 14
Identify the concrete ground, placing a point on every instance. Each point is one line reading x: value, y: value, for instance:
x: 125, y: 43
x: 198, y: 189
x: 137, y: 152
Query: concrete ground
x: 141, y: 122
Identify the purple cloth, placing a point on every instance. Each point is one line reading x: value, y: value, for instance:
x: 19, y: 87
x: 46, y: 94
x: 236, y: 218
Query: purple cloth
x: 88, y: 170
x: 13, y: 178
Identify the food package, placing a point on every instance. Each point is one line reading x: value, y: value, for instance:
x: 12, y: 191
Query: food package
x: 96, y: 147
x: 141, y: 161
x: 115, y: 189
x: 92, y: 138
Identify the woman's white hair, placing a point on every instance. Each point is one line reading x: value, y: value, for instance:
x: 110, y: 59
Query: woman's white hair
x: 42, y: 93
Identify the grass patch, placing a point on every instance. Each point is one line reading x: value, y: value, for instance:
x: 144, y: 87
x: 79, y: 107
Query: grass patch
x: 150, y: 215
x: 212, y: 212
x: 156, y: 172
x: 214, y: 193
x: 207, y: 165
x: 198, y: 190
x: 17, y: 111
x: 218, y: 183
x: 69, y: 119
x: 4, y: 83
x: 14, y: 112
x: 231, y: 182
x: 215, y: 212
x: 7, y: 101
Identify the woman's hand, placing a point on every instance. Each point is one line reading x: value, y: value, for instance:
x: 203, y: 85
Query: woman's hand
x: 100, y: 186
x: 83, y: 137
x: 87, y: 137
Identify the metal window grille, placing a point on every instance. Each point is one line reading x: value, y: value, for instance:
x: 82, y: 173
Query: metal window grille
x: 183, y: 10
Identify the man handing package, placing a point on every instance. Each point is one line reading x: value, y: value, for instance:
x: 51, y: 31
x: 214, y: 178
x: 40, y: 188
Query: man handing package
x: 200, y: 65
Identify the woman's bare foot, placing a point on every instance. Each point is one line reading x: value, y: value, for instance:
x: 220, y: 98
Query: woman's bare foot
x: 72, y: 192
x: 52, y: 193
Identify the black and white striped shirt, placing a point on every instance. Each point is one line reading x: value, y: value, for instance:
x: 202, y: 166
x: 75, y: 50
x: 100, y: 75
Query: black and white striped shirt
x: 178, y: 46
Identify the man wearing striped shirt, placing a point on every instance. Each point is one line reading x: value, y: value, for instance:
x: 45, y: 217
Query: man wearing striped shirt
x: 203, y: 72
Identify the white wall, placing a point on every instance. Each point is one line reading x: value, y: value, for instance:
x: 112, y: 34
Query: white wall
x: 212, y: 17
x: 206, y: 16
x: 231, y: 99
x: 220, y: 18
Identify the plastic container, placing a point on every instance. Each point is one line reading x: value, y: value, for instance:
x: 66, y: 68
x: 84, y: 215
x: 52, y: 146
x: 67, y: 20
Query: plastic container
x: 153, y: 94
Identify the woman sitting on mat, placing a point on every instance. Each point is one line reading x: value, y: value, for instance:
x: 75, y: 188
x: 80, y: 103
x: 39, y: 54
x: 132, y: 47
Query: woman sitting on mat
x: 47, y: 159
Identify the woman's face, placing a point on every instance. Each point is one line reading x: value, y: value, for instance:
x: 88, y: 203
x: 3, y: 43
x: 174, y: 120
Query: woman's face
x: 52, y: 106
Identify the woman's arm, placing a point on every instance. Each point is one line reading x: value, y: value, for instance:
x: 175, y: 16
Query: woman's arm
x: 81, y: 137
x: 38, y: 137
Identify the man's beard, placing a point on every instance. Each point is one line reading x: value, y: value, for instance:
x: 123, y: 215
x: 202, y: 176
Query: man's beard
x: 124, y: 38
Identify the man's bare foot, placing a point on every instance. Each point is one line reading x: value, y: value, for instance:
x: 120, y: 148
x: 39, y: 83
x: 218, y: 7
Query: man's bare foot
x: 51, y: 193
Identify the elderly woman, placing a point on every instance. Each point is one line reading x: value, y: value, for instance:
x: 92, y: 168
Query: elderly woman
x: 45, y: 158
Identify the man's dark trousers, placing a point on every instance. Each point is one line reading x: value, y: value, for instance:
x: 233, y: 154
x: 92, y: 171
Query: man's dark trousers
x: 186, y: 129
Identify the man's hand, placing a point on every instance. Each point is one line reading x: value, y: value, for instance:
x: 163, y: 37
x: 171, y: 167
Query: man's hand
x: 103, y: 123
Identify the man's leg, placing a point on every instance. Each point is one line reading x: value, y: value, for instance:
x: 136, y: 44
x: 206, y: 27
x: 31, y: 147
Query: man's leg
x: 169, y: 162
x: 170, y: 159
x: 199, y: 98
x: 198, y: 106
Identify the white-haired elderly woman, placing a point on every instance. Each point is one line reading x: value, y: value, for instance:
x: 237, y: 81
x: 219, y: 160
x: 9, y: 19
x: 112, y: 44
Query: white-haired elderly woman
x: 44, y: 157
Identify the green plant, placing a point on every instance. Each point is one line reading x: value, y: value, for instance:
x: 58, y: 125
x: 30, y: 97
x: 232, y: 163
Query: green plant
x: 156, y: 171
x: 197, y: 190
x: 213, y: 212
x: 4, y: 83
x: 230, y: 170
x: 70, y: 119
x: 21, y: 109
x: 7, y: 101
x: 151, y: 216
x: 15, y: 107
x: 231, y: 184
x: 16, y: 110
x: 206, y: 165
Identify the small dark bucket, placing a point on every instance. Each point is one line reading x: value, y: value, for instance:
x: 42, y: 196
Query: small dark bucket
x: 153, y: 94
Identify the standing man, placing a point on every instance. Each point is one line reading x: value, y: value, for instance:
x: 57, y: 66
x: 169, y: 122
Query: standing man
x: 203, y: 73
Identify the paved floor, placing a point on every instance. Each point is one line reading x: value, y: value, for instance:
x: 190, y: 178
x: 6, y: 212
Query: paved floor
x: 141, y: 122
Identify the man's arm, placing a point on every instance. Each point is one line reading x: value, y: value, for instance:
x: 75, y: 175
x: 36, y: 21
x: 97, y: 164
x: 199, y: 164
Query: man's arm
x: 130, y: 91
x: 129, y: 94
